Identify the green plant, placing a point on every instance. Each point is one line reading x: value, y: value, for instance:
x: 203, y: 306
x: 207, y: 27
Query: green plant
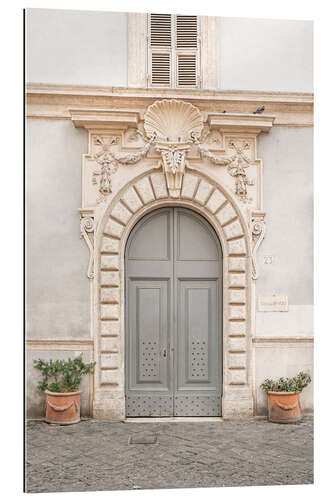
x: 293, y: 384
x: 62, y: 376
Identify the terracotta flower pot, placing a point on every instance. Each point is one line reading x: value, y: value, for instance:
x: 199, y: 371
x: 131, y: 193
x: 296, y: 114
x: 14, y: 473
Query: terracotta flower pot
x: 284, y: 407
x: 62, y: 407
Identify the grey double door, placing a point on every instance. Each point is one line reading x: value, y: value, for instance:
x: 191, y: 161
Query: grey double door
x: 173, y: 268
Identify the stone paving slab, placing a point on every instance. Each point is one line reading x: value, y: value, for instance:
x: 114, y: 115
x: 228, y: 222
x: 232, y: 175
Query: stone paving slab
x: 102, y: 455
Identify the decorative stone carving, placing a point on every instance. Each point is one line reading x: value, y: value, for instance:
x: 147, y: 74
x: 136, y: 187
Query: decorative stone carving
x: 109, y: 161
x: 87, y: 226
x: 239, y: 162
x: 173, y: 121
x: 257, y: 228
x: 236, y: 164
x: 212, y: 138
x: 171, y: 125
x: 173, y: 163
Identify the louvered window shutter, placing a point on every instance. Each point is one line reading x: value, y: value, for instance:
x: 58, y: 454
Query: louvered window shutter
x: 160, y: 54
x: 187, y: 51
x: 174, y: 51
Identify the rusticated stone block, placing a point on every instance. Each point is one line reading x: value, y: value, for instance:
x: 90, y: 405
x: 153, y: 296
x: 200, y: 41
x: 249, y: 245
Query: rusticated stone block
x: 159, y: 185
x: 237, y: 328
x: 110, y: 327
x: 110, y: 344
x: 234, y: 229
x: 237, y: 312
x: 237, y: 246
x: 110, y: 278
x: 236, y: 279
x: 237, y: 264
x: 144, y: 189
x: 237, y: 360
x: 110, y: 262
x: 203, y: 192
x: 132, y: 200
x: 110, y: 360
x: 109, y: 311
x: 237, y: 377
x: 110, y: 245
x: 226, y: 214
x: 114, y: 229
x: 111, y: 377
x: 121, y: 213
x: 215, y: 201
x: 237, y: 296
x: 111, y: 295
x: 237, y: 344
x: 189, y: 186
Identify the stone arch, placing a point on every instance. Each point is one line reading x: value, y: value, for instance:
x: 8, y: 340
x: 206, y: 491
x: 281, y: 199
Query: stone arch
x: 143, y: 194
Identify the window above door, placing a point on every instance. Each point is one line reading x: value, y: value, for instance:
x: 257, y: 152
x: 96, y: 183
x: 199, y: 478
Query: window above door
x: 173, y: 51
x: 173, y: 45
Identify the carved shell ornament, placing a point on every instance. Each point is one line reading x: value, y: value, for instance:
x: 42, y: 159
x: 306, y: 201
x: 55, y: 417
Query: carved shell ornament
x: 173, y: 121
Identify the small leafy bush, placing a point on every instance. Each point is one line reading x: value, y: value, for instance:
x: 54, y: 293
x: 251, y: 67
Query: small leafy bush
x: 293, y: 384
x: 62, y: 376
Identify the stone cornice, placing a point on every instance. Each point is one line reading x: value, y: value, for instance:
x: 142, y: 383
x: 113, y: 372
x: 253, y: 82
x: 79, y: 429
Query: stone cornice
x: 238, y: 95
x: 240, y: 122
x: 104, y: 118
x: 54, y: 101
x: 95, y: 119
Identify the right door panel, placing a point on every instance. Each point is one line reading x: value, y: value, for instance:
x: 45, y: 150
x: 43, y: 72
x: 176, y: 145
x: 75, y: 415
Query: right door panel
x: 197, y: 357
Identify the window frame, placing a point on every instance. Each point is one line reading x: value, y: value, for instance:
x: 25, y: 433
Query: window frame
x: 139, y: 64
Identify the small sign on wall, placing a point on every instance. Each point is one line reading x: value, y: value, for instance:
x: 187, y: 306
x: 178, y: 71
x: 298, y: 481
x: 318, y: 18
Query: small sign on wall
x: 273, y: 303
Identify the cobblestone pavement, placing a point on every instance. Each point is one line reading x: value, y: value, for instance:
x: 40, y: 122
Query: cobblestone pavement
x: 100, y: 455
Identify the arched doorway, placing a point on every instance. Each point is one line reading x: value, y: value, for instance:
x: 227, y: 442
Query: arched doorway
x: 173, y: 316
x: 140, y: 196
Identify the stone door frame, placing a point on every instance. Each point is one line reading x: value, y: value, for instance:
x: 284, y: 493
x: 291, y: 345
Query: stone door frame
x: 147, y: 192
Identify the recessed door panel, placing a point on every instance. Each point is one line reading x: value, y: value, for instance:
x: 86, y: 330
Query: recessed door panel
x: 173, y: 317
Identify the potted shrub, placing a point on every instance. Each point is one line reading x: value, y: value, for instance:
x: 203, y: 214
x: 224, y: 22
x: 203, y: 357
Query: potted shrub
x: 60, y: 382
x: 284, y: 397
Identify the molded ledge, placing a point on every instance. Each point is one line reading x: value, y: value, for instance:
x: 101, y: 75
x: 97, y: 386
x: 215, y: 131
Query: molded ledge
x: 239, y: 122
x: 103, y: 118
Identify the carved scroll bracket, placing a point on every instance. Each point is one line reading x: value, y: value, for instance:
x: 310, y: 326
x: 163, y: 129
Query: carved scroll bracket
x: 87, y: 228
x: 258, y: 229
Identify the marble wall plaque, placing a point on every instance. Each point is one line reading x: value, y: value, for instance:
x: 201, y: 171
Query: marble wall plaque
x: 273, y: 303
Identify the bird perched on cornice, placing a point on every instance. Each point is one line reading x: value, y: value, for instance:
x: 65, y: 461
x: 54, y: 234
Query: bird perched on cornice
x: 259, y: 110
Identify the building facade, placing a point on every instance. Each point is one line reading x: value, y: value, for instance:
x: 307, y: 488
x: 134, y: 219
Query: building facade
x: 169, y: 208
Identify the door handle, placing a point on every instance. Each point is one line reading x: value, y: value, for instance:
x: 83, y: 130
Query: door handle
x: 164, y: 353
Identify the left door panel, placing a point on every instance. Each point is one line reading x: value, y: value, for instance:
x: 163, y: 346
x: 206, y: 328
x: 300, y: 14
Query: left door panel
x: 149, y: 289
